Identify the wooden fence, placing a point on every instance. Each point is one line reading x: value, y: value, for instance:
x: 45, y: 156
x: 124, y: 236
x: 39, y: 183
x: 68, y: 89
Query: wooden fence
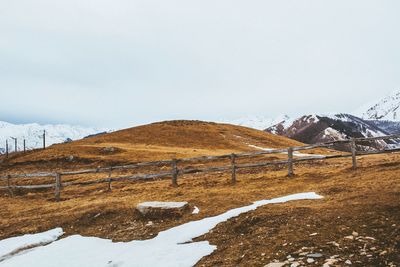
x: 175, y: 171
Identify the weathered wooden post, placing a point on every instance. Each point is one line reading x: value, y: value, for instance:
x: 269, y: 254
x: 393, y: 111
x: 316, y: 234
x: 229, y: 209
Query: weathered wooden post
x: 174, y: 173
x: 24, y: 146
x: 9, y: 186
x: 44, y: 139
x: 233, y: 163
x: 58, y: 187
x: 290, y: 162
x: 109, y: 179
x: 6, y: 148
x: 354, y: 153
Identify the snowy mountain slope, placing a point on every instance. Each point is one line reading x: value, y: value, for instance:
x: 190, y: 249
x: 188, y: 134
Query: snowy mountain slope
x: 392, y: 127
x: 33, y: 134
x: 388, y: 108
x: 313, y: 129
x: 256, y: 122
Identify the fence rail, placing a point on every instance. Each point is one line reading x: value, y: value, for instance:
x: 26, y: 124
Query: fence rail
x: 176, y: 171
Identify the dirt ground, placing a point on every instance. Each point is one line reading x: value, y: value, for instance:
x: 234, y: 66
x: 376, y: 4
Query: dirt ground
x: 364, y: 204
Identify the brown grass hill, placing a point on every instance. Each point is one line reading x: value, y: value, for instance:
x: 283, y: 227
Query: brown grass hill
x: 156, y: 141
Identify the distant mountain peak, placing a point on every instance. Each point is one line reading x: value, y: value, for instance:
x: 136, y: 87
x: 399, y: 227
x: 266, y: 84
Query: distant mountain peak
x: 387, y: 108
x: 257, y: 122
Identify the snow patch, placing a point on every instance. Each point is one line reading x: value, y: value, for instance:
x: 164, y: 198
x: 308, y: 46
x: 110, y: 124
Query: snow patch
x: 196, y: 210
x: 169, y: 248
x: 14, y: 245
x: 295, y: 153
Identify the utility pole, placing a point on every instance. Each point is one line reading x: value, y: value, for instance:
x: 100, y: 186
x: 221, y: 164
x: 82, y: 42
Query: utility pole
x: 15, y: 144
x: 44, y: 139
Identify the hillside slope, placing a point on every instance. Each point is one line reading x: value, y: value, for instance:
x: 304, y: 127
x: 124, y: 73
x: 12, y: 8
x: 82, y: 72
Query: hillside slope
x: 163, y: 140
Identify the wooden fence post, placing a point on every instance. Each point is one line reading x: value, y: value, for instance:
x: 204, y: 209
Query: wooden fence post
x: 6, y: 148
x: 174, y: 173
x: 57, y: 187
x: 44, y: 139
x: 109, y: 180
x: 24, y: 146
x: 233, y: 163
x: 290, y: 162
x: 354, y: 153
x: 9, y: 186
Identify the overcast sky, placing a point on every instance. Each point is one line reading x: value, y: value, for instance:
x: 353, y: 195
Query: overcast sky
x: 119, y: 63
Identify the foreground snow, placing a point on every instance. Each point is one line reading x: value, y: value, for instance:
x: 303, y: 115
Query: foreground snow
x: 14, y: 245
x: 170, y: 248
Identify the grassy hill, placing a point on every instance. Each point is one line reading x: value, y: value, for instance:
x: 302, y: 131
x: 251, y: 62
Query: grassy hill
x: 157, y: 141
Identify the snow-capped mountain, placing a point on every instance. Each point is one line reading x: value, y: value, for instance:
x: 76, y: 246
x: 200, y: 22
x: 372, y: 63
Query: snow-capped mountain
x: 388, y: 108
x: 33, y: 134
x: 257, y: 122
x: 313, y: 129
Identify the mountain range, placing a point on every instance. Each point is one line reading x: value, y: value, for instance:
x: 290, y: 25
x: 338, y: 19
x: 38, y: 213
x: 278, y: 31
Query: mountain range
x: 32, y: 133
x: 378, y: 118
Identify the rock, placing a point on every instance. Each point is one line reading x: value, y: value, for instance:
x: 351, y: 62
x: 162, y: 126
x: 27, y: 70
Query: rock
x: 70, y: 158
x: 108, y: 149
x: 355, y: 234
x: 275, y: 264
x: 295, y: 264
x: 383, y: 253
x: 315, y: 255
x: 330, y: 262
x: 313, y: 234
x: 159, y: 210
x: 310, y: 260
x: 333, y: 243
x: 349, y: 237
x: 348, y: 262
x: 150, y: 223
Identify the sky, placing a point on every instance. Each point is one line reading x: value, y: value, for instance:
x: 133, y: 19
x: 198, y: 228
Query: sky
x: 119, y: 63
